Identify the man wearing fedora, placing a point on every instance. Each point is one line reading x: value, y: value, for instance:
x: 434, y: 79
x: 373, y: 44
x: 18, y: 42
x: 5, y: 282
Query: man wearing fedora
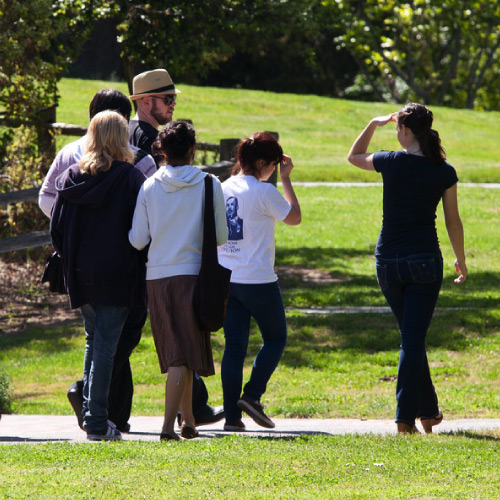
x: 154, y: 93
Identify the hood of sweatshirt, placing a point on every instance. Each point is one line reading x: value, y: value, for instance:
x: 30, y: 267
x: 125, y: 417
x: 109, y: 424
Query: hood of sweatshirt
x: 90, y: 190
x: 173, y: 179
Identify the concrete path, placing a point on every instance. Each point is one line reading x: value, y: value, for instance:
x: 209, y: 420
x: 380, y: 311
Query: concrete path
x: 53, y: 429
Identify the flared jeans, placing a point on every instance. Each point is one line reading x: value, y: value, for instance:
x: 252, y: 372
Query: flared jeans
x: 411, y: 287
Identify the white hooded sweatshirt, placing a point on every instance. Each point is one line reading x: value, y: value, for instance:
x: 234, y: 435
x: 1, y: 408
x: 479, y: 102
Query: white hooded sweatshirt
x: 169, y: 214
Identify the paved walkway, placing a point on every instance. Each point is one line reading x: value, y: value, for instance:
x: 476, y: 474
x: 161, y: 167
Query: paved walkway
x: 52, y: 428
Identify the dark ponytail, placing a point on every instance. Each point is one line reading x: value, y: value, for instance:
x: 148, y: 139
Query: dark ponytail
x: 260, y: 146
x: 176, y: 141
x: 418, y: 118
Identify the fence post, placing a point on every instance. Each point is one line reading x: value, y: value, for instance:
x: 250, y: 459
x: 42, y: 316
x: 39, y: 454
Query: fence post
x: 228, y: 149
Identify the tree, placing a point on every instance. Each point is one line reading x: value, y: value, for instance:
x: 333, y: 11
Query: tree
x: 268, y: 44
x: 438, y: 52
x: 285, y: 47
x: 36, y: 42
x: 176, y: 35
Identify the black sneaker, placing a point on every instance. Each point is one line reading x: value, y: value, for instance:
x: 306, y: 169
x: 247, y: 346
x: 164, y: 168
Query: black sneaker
x: 256, y: 411
x: 110, y: 434
x: 236, y: 426
x: 209, y: 415
x: 75, y: 397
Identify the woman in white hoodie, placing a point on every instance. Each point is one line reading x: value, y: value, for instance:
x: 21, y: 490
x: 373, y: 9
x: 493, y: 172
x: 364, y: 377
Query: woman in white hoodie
x: 169, y: 217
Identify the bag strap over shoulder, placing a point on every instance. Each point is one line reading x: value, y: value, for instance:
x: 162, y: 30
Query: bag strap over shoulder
x: 209, y: 249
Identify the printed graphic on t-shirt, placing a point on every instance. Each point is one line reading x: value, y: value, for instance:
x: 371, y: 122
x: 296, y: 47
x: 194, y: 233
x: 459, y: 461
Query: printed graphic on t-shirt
x: 234, y: 221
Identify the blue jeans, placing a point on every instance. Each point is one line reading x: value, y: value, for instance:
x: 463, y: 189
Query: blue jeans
x: 263, y: 302
x: 103, y: 326
x: 411, y: 287
x: 121, y: 390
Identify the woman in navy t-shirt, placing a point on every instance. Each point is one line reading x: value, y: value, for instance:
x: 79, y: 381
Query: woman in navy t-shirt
x: 409, y: 261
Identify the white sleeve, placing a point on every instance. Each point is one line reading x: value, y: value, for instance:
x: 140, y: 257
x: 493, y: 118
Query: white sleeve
x: 47, y: 194
x: 276, y: 205
x: 219, y: 212
x: 139, y: 235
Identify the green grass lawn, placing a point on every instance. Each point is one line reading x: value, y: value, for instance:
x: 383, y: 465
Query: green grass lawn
x: 336, y: 365
x: 316, y: 131
x: 455, y: 467
x: 340, y: 365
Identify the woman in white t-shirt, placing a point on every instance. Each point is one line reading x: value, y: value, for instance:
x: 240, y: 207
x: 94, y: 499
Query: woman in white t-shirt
x: 252, y: 209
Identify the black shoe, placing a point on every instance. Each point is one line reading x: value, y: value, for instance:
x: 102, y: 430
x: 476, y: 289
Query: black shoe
x: 123, y: 428
x: 255, y: 410
x: 110, y: 434
x: 75, y: 396
x: 235, y: 426
x: 209, y: 415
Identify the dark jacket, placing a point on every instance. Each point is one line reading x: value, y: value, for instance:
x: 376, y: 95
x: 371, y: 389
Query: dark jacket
x: 89, y: 228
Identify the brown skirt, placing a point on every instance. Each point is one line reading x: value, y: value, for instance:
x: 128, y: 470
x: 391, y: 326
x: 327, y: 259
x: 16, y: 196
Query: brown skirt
x: 178, y: 339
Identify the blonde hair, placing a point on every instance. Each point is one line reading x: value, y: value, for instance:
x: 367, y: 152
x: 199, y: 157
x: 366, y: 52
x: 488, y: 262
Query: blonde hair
x: 107, y: 141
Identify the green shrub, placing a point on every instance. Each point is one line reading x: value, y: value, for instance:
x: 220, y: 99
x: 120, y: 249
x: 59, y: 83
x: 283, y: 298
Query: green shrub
x: 5, y: 401
x: 21, y: 167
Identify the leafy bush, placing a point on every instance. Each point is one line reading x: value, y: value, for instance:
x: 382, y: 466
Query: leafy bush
x: 5, y: 401
x: 20, y: 168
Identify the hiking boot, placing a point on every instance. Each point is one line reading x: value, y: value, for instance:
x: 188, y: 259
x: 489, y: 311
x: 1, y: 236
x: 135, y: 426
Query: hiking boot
x: 256, y: 411
x: 234, y: 426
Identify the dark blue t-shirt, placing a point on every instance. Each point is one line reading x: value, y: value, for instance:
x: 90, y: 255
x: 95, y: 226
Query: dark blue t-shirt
x: 413, y: 187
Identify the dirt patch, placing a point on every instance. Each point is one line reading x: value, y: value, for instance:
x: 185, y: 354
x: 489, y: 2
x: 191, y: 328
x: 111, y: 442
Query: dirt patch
x: 307, y: 275
x: 25, y: 302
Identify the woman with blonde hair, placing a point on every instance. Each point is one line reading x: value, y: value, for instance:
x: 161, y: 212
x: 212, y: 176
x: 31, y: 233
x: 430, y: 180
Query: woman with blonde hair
x: 89, y: 226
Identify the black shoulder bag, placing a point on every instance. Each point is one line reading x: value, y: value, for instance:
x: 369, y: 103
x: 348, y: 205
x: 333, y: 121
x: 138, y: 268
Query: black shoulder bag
x: 212, y: 286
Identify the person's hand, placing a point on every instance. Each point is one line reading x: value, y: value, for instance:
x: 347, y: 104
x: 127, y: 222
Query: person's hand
x: 461, y: 269
x: 380, y: 121
x: 286, y: 166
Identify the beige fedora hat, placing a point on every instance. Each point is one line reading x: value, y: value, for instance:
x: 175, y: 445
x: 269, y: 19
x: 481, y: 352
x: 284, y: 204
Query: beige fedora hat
x: 157, y: 81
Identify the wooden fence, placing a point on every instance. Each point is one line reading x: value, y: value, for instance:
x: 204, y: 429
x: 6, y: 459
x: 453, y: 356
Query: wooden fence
x: 225, y: 151
x: 221, y: 169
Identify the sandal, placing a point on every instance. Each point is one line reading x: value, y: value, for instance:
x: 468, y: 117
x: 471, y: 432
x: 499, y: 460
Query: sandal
x: 189, y: 432
x: 404, y: 428
x: 429, y: 423
x: 169, y: 436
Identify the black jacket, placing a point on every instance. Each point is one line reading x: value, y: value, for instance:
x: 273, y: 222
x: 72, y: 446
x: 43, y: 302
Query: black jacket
x: 89, y: 228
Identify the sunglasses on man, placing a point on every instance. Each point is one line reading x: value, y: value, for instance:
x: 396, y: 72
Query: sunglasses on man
x: 167, y: 99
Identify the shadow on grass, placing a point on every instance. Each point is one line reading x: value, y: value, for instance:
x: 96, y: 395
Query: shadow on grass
x: 465, y: 312
x: 477, y: 435
x: 266, y: 435
x: 313, y: 337
x: 481, y: 290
